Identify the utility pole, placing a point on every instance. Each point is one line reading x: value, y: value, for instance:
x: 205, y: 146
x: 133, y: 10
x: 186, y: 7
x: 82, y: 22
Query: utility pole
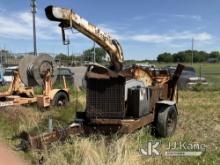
x: 72, y: 56
x: 94, y: 52
x: 192, y: 50
x: 34, y: 10
x: 1, y: 56
x: 4, y: 54
x: 68, y: 46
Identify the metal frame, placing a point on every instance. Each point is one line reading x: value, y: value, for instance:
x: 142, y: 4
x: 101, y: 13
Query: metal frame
x: 13, y: 96
x: 86, y: 125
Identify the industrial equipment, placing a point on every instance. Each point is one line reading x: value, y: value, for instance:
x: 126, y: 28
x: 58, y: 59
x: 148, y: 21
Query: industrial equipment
x: 117, y: 100
x: 35, y: 71
x: 69, y: 19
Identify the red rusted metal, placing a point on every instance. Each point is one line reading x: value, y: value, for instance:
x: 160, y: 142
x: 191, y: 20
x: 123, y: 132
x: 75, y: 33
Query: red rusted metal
x: 39, y: 141
x: 69, y: 19
x: 124, y: 125
x: 106, y: 104
x: 104, y: 126
x: 104, y: 121
x: 105, y: 98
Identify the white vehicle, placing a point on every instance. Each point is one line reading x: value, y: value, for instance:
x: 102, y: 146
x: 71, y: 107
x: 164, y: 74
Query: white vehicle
x: 188, y: 78
x: 8, y: 74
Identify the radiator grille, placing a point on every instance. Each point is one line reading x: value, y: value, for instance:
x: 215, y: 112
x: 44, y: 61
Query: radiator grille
x: 105, y: 98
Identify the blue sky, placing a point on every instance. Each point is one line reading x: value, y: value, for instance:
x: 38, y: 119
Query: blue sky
x: 144, y: 28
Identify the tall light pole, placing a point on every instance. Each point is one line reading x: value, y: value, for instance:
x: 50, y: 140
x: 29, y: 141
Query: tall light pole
x: 68, y: 46
x: 192, y: 50
x: 34, y: 10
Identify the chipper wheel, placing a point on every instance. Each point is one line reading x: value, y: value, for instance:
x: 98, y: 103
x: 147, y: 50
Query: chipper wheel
x: 165, y: 121
x: 60, y: 99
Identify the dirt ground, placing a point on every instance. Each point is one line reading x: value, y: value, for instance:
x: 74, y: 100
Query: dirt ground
x: 9, y: 157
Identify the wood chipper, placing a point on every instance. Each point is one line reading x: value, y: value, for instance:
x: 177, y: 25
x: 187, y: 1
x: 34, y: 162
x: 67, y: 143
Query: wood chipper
x: 35, y: 71
x: 117, y: 100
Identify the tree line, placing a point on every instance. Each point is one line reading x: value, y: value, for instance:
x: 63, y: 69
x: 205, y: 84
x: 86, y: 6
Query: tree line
x: 87, y: 55
x: 100, y: 56
x: 187, y: 55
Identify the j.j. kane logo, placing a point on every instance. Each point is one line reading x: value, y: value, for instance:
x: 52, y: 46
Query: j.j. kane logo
x: 153, y: 148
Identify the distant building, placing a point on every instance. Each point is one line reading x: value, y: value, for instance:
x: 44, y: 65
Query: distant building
x: 212, y: 60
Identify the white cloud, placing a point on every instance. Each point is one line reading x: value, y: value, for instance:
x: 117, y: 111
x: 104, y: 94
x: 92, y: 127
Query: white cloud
x: 170, y: 37
x: 18, y: 25
x: 204, y: 37
x: 138, y: 18
x: 180, y: 16
x: 154, y: 38
x: 110, y: 31
x: 106, y: 28
x: 165, y: 16
x: 164, y: 38
x: 184, y: 16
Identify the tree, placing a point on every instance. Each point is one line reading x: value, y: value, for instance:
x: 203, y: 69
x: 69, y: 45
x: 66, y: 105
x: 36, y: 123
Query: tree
x: 61, y: 56
x: 183, y: 56
x: 99, y: 55
x: 200, y: 56
x: 186, y: 56
x: 204, y: 55
x: 165, y: 57
x: 215, y: 55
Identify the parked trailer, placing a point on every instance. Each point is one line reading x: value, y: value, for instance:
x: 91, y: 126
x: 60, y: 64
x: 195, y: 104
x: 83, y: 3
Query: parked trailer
x: 109, y: 98
x: 35, y: 71
x: 115, y: 116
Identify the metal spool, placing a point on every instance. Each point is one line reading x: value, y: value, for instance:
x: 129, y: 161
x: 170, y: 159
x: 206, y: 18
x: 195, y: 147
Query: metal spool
x: 32, y: 69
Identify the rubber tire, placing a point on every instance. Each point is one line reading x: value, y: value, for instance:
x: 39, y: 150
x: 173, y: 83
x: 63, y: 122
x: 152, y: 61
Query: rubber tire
x: 163, y: 127
x: 60, y: 96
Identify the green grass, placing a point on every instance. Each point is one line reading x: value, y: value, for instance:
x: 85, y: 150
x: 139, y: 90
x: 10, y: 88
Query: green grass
x: 199, y: 122
x: 210, y: 71
x: 14, y: 120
